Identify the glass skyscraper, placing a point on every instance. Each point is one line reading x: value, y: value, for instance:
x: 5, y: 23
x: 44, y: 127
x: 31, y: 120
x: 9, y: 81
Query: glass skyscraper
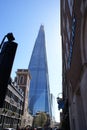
x: 39, y: 92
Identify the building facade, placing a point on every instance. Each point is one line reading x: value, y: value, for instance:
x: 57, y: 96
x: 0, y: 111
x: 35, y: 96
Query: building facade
x: 74, y: 57
x: 52, y: 106
x: 39, y: 93
x: 11, y: 113
x: 23, y: 81
x: 52, y: 120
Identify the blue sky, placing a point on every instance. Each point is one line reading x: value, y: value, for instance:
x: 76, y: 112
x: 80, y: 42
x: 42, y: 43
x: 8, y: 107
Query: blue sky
x: 23, y: 18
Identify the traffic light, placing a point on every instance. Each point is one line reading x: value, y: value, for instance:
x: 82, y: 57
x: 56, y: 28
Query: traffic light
x: 7, y: 54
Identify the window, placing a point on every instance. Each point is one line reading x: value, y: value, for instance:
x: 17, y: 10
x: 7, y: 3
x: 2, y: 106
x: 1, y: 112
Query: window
x: 21, y: 79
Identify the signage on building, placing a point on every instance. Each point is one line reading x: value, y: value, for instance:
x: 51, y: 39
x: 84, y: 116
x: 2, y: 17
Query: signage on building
x: 72, y: 41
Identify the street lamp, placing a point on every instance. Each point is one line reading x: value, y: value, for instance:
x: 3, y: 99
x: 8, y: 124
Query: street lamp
x: 7, y: 54
x: 60, y: 102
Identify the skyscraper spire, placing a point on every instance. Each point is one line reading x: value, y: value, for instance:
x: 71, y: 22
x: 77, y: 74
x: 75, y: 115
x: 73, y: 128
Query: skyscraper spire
x: 42, y: 27
x: 39, y: 94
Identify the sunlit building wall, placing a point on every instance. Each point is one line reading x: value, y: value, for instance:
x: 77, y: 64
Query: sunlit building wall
x: 11, y: 113
x: 52, y: 106
x: 23, y: 78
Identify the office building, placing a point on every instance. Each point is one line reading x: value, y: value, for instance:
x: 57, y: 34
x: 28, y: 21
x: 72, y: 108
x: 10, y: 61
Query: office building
x: 11, y: 113
x: 39, y: 93
x: 52, y: 122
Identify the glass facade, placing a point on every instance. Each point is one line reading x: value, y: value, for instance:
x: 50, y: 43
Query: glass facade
x: 39, y: 93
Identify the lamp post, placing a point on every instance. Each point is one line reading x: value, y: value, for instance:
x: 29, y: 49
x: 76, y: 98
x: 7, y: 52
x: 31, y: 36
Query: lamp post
x: 7, y: 54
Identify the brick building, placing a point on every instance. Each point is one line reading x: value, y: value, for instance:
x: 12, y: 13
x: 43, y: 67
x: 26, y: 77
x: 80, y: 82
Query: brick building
x: 23, y: 81
x: 74, y: 63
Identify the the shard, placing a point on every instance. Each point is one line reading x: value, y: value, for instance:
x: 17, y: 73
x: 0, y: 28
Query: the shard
x: 39, y: 92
